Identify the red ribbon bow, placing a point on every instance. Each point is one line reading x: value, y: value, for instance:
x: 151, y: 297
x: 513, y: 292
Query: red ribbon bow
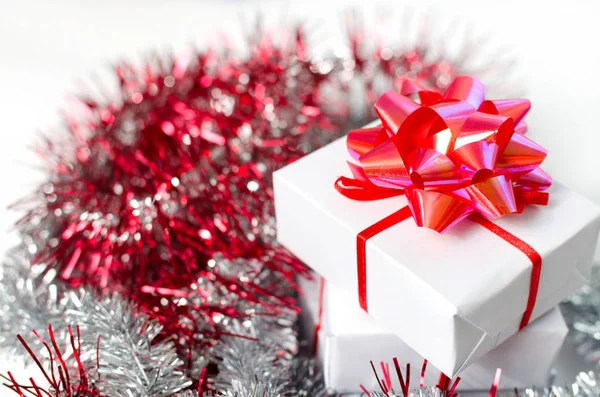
x: 452, y: 154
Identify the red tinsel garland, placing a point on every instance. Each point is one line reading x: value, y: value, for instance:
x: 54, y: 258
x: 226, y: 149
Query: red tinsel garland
x: 150, y: 188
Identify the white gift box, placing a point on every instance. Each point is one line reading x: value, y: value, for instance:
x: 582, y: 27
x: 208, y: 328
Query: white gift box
x: 451, y: 297
x: 349, y: 339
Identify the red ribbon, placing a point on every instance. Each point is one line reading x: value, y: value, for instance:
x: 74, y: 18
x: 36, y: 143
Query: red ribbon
x: 361, y: 249
x: 533, y: 255
x: 404, y: 213
x: 454, y: 155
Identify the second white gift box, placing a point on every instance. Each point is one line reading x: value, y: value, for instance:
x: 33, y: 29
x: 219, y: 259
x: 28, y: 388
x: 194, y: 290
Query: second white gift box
x: 349, y: 339
x: 451, y: 297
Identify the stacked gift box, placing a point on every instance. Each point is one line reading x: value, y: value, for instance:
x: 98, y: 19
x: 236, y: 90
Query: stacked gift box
x: 439, y: 237
x: 348, y: 339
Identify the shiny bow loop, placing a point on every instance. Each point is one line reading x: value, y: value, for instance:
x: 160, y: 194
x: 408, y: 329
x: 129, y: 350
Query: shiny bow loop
x: 451, y: 153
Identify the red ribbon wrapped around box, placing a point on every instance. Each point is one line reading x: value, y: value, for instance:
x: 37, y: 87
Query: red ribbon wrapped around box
x: 454, y: 155
x: 455, y: 162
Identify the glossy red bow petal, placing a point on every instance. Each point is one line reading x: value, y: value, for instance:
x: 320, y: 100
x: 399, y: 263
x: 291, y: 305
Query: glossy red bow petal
x: 493, y: 197
x: 454, y: 114
x: 475, y: 157
x: 436, y: 210
x: 516, y: 109
x: 430, y: 169
x: 393, y: 109
x: 425, y: 128
x: 521, y: 155
x: 384, y: 166
x: 358, y: 172
x: 411, y: 88
x: 481, y: 126
x: 466, y: 89
x: 361, y: 141
x: 537, y: 179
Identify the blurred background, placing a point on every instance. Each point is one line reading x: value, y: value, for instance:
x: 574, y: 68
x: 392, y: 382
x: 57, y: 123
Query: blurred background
x: 49, y: 50
x: 548, y: 51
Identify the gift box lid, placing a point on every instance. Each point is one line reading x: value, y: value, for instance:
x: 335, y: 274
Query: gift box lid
x: 467, y: 283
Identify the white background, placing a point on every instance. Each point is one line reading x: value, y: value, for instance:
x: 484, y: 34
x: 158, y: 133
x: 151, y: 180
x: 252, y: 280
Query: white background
x: 48, y: 47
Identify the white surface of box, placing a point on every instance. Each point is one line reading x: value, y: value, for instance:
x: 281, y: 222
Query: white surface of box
x: 467, y: 288
x: 349, y: 339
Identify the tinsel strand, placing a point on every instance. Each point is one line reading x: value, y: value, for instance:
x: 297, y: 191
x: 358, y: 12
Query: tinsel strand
x: 134, y: 361
x: 64, y: 380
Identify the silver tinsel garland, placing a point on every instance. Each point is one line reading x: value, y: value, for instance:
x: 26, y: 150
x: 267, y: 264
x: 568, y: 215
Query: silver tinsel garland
x: 250, y: 368
x: 117, y: 339
x: 582, y: 313
x: 261, y: 347
x: 29, y: 300
x: 131, y: 360
x: 258, y: 358
x: 586, y: 384
x: 308, y: 380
